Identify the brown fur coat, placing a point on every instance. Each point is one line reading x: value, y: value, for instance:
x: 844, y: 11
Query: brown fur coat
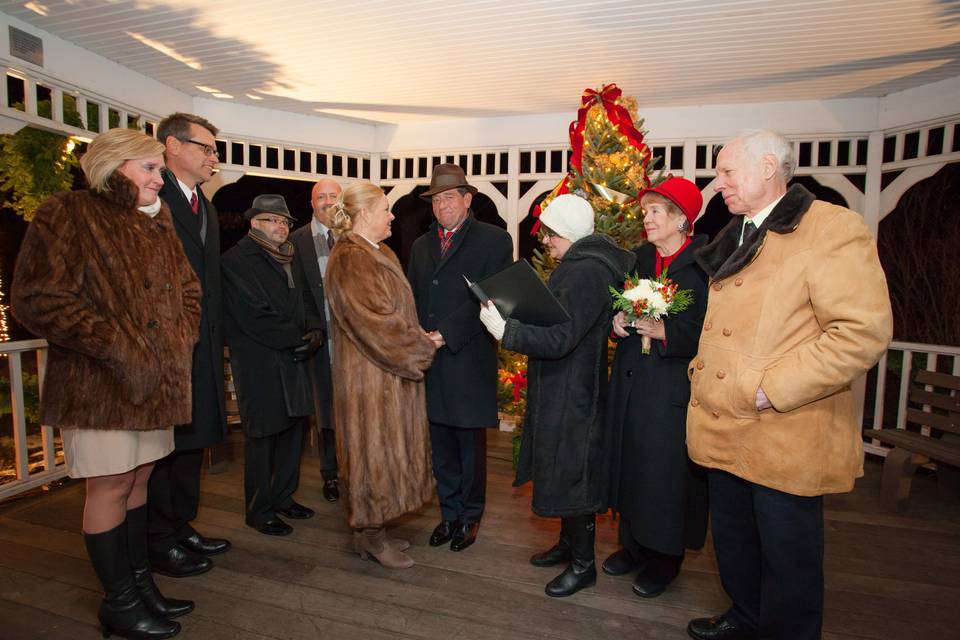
x: 112, y: 292
x: 379, y: 403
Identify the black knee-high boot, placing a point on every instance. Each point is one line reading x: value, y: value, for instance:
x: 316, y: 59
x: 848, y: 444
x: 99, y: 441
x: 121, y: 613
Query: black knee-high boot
x: 122, y: 611
x: 582, y: 571
x: 558, y: 553
x: 137, y: 551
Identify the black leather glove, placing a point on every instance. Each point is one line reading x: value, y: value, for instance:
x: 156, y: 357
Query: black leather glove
x: 314, y: 339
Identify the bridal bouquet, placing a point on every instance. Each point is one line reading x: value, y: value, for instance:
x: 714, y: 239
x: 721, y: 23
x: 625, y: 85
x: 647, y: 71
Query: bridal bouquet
x: 651, y: 299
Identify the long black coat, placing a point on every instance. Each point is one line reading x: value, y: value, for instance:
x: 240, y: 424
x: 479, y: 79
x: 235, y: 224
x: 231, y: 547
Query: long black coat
x: 652, y: 481
x: 563, y: 448
x: 265, y: 322
x: 462, y: 383
x: 209, y: 425
x: 304, y: 247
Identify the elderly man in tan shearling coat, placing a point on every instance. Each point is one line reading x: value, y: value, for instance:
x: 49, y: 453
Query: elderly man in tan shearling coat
x: 798, y: 309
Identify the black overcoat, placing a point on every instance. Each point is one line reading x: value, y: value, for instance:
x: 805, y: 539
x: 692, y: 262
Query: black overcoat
x: 209, y: 425
x: 304, y: 247
x: 652, y: 481
x: 563, y: 444
x: 265, y: 322
x: 462, y: 383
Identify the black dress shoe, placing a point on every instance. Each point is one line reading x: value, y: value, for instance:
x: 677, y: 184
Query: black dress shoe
x: 658, y: 574
x: 178, y: 562
x: 576, y: 576
x: 442, y: 533
x: 296, y: 511
x: 553, y: 556
x: 717, y: 628
x: 273, y: 527
x: 205, y: 546
x: 331, y: 490
x: 620, y: 563
x: 464, y: 535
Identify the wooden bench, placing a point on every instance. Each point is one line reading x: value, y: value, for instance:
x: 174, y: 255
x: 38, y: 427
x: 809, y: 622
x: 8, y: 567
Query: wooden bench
x: 937, y: 441
x: 218, y: 456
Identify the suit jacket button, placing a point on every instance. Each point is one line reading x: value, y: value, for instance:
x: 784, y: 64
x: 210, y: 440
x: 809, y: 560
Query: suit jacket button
x: 727, y: 332
x: 700, y: 365
x: 738, y: 282
x: 717, y: 286
x: 721, y: 374
x: 630, y: 373
x: 694, y: 403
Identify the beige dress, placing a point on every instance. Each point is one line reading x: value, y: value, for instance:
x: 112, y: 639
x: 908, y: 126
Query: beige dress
x: 107, y: 452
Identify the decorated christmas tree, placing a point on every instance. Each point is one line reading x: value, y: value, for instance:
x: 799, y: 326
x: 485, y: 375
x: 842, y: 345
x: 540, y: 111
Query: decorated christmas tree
x: 608, y: 167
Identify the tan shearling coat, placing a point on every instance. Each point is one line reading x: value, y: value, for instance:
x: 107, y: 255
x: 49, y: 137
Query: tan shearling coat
x: 379, y: 402
x: 800, y: 312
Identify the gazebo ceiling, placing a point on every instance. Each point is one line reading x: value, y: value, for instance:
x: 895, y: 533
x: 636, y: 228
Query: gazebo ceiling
x: 394, y: 61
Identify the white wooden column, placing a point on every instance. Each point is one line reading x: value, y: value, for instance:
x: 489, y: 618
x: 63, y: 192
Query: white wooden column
x: 513, y: 197
x: 872, y: 188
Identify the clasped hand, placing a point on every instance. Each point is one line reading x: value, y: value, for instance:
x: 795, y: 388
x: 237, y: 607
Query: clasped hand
x: 313, y: 340
x: 652, y: 328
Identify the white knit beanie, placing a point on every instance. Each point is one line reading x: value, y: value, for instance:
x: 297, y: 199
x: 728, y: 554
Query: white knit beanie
x: 569, y: 216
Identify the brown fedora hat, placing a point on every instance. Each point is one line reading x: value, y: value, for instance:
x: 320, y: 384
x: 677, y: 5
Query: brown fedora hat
x: 446, y: 177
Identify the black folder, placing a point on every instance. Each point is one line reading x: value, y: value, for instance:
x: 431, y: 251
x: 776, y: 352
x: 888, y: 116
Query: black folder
x: 519, y: 293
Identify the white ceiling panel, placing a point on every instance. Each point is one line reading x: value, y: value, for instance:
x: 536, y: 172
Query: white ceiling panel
x: 398, y: 60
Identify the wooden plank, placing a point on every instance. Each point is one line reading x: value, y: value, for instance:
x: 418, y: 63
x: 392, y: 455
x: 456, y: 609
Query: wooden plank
x: 949, y: 423
x: 916, y: 443
x: 938, y: 400
x: 942, y: 380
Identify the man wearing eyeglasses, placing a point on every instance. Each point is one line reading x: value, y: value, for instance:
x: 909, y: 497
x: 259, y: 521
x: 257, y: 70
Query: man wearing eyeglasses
x: 273, y: 329
x: 176, y: 548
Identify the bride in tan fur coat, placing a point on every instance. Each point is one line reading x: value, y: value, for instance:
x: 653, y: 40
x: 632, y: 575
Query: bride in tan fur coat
x: 379, y: 356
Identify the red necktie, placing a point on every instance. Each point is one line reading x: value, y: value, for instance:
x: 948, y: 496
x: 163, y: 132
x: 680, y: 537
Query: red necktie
x: 194, y: 203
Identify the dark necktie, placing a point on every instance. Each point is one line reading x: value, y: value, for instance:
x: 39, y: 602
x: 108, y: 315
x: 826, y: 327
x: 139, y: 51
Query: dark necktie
x: 749, y: 231
x: 194, y: 203
x: 330, y: 240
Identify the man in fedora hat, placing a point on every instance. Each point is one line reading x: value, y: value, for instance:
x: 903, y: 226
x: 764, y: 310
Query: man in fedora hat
x: 175, y: 548
x: 272, y: 330
x: 462, y: 383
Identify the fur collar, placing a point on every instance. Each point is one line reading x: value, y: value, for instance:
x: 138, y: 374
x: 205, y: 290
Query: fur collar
x: 722, y: 258
x: 120, y: 191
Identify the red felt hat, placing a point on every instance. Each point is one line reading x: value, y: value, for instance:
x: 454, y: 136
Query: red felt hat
x: 680, y: 192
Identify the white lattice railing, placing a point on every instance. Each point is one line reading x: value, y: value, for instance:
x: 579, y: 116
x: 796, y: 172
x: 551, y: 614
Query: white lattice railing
x: 28, y: 473
x: 938, y: 358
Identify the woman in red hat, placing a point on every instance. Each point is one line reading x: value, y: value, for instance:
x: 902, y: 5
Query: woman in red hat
x: 660, y: 494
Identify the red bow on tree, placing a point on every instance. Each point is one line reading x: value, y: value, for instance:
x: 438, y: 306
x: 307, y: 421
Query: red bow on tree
x: 518, y: 381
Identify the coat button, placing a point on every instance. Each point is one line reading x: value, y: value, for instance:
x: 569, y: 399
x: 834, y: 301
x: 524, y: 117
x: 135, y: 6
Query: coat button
x: 721, y: 374
x: 707, y: 326
x: 727, y: 332
x: 147, y: 284
x: 153, y: 324
x: 630, y: 373
x: 717, y: 286
x: 168, y: 287
x: 694, y: 403
x: 738, y: 282
x: 715, y: 413
x: 700, y: 365
x: 436, y: 282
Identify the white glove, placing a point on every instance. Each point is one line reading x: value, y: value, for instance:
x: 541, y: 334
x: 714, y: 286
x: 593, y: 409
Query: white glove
x: 492, y: 320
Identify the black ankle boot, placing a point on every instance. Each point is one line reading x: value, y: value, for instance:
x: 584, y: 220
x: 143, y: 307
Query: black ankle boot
x: 137, y: 551
x: 122, y: 611
x: 558, y: 553
x: 582, y: 571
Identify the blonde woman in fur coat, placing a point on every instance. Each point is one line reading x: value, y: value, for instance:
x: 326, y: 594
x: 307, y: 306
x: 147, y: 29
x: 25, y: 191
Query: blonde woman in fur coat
x: 379, y: 355
x: 103, y: 278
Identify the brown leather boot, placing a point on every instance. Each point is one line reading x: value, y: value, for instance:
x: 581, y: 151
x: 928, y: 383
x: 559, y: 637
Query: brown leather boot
x: 373, y: 544
x: 397, y: 543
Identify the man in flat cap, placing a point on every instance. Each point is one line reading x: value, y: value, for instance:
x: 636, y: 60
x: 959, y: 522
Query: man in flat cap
x: 272, y: 330
x: 462, y: 383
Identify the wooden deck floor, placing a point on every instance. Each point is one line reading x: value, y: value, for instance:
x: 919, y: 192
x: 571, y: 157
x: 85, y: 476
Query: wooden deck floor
x: 887, y: 577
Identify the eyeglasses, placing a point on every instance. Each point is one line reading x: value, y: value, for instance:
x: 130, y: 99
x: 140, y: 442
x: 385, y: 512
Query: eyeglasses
x: 207, y: 149
x: 277, y: 220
